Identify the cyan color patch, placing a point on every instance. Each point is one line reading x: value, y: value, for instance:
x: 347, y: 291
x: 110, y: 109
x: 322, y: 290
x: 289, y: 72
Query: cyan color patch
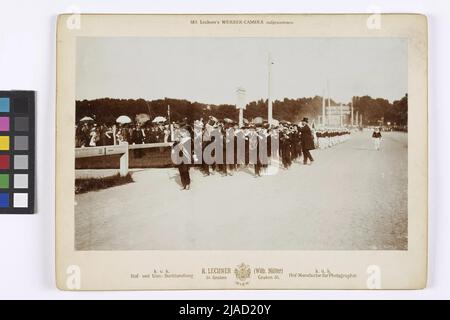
x: 4, y: 104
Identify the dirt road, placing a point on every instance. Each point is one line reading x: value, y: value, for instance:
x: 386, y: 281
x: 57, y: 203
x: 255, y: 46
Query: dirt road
x: 351, y: 198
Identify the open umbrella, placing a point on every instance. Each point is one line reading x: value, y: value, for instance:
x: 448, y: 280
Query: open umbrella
x: 123, y: 119
x: 159, y: 119
x: 198, y: 124
x: 142, y: 118
x: 258, y: 120
x: 85, y: 119
x: 212, y: 121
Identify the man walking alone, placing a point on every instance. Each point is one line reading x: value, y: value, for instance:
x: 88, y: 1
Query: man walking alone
x: 307, y: 141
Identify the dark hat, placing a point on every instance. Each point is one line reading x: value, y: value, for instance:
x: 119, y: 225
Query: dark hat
x: 305, y: 120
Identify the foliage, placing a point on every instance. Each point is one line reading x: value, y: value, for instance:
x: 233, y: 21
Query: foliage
x: 84, y: 185
x: 374, y: 110
x: 106, y: 110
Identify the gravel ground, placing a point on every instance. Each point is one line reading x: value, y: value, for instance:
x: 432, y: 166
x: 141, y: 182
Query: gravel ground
x: 351, y: 198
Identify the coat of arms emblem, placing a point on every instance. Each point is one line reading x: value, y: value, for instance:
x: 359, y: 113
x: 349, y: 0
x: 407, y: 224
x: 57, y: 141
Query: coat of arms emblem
x: 242, y: 273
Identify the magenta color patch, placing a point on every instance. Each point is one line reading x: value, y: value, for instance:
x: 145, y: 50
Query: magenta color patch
x: 4, y: 123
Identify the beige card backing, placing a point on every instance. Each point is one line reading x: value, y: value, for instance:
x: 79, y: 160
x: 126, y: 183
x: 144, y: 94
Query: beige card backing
x: 114, y: 270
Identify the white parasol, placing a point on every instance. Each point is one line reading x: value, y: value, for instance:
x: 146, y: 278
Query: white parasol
x: 159, y: 119
x: 275, y: 122
x: 84, y: 119
x: 142, y: 118
x: 258, y: 120
x: 123, y: 119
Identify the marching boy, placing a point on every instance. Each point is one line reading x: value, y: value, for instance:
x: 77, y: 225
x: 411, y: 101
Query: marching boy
x: 376, y: 137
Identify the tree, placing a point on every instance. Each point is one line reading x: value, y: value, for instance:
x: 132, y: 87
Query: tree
x: 107, y: 110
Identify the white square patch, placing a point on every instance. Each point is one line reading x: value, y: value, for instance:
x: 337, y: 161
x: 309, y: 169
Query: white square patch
x: 20, y: 181
x: 20, y: 200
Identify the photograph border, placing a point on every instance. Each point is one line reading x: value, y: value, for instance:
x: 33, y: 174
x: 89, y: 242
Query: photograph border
x: 228, y: 269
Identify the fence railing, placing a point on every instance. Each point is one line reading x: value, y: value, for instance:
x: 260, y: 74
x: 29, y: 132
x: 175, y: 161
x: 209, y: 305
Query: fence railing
x: 123, y: 149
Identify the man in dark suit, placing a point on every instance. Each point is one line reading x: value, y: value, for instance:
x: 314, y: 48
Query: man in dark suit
x: 307, y: 141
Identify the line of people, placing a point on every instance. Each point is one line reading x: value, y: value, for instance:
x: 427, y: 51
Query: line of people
x: 262, y: 144
x: 331, y: 137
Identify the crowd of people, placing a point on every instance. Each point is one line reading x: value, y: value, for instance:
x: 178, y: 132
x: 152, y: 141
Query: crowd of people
x: 92, y: 134
x: 261, y: 142
x: 327, y: 138
x: 293, y: 143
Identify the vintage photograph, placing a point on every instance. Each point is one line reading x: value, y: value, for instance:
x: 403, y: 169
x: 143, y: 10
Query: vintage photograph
x: 241, y: 143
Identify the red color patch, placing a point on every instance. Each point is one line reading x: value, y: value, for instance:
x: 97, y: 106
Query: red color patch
x: 4, y: 161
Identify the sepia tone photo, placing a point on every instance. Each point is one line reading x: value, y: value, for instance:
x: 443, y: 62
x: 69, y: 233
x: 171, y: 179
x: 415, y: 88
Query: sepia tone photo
x: 265, y: 143
x: 274, y: 151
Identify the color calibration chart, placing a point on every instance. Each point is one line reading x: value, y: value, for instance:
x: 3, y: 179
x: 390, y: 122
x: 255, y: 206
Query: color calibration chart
x: 17, y: 133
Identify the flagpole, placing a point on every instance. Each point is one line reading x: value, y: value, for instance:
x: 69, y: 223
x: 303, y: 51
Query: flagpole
x: 269, y: 89
x: 170, y: 123
x: 323, y: 109
x: 240, y: 104
x: 168, y: 112
x: 351, y: 104
x: 329, y: 101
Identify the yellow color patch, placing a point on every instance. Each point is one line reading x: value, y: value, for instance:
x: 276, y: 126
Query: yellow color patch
x: 4, y: 143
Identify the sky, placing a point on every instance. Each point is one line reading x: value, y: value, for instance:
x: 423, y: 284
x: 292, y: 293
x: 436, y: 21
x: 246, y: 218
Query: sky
x: 209, y: 70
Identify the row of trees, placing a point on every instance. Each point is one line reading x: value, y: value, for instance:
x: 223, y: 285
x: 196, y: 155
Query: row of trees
x: 107, y: 110
x: 376, y: 110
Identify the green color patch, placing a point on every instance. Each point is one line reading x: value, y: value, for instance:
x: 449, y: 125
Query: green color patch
x: 4, y: 181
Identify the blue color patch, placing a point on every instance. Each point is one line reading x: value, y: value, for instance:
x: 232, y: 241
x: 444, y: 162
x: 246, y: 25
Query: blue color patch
x: 4, y: 104
x: 4, y: 200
